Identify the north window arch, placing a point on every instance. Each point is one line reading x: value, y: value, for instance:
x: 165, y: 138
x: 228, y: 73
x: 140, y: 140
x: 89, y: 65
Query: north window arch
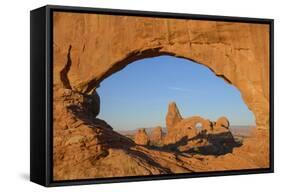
x: 141, y: 91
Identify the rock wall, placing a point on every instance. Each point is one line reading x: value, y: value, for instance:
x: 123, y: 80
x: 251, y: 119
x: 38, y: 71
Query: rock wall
x: 88, y: 48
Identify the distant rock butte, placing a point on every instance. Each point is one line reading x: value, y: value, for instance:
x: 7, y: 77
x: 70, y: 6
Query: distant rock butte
x: 192, y: 126
x: 141, y: 137
x: 173, y: 116
x: 156, y: 135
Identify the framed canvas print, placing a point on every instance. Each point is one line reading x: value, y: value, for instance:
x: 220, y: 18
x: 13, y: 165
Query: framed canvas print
x: 119, y: 95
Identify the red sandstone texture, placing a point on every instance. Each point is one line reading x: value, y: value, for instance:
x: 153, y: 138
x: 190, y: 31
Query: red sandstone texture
x: 156, y: 135
x: 141, y: 137
x: 88, y: 48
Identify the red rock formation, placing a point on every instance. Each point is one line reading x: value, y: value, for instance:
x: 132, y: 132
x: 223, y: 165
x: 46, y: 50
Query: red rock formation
x: 156, y: 135
x: 141, y: 137
x: 179, y: 128
x: 223, y: 122
x: 173, y: 116
x: 86, y: 147
x: 237, y: 52
x: 221, y: 125
x: 209, y: 138
x: 187, y: 128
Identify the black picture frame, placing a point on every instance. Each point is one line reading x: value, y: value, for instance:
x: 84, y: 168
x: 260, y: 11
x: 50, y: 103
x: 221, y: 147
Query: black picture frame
x: 41, y: 56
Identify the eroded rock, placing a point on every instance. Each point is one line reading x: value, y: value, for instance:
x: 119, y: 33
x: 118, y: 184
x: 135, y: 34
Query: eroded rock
x: 236, y: 52
x: 85, y: 147
x: 198, y: 135
x: 141, y: 137
x: 222, y: 122
x: 173, y: 116
x: 156, y: 135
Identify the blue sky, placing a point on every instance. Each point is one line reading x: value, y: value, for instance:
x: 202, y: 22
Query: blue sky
x: 138, y: 96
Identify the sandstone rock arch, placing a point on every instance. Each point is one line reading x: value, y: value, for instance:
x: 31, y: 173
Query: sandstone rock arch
x: 237, y: 52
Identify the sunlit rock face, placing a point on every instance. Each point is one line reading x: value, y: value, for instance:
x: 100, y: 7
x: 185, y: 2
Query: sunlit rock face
x: 179, y: 128
x: 173, y: 116
x: 89, y: 48
x: 141, y: 137
x: 156, y: 135
x: 92, y: 47
x: 198, y: 135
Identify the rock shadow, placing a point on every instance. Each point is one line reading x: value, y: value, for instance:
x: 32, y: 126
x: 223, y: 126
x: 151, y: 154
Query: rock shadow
x: 149, y: 160
x: 218, y: 144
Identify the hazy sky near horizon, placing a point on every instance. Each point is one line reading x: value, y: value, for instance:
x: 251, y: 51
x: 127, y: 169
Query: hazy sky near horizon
x: 138, y: 95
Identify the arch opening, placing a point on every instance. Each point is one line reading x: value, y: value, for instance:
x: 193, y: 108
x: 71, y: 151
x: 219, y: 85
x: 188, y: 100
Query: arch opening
x: 81, y: 65
x: 199, y: 126
x: 157, y: 76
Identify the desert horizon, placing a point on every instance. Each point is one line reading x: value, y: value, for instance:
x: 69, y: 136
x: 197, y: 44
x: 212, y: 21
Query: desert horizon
x: 235, y: 129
